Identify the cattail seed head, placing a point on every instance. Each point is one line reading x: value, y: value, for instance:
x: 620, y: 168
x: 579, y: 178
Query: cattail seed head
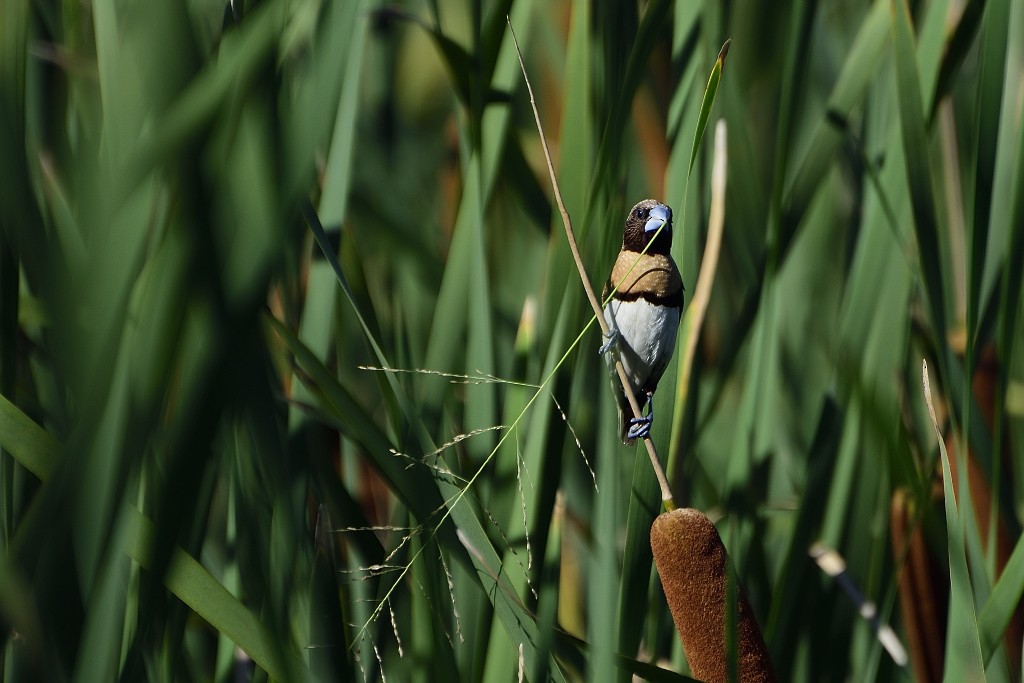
x: 694, y: 571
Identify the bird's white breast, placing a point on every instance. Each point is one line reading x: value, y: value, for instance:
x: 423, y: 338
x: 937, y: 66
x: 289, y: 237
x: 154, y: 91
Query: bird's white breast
x: 647, y: 336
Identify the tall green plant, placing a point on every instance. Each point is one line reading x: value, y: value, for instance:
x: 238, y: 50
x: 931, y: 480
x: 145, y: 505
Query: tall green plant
x: 189, y: 419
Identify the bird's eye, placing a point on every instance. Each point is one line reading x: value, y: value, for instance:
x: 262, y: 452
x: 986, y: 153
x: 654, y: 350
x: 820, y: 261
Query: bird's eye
x: 639, y: 213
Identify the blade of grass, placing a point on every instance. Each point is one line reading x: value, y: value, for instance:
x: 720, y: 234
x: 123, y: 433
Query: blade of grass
x: 517, y: 622
x: 21, y: 222
x: 854, y: 78
x: 547, y: 604
x: 326, y: 623
x: 693, y: 320
x: 963, y: 648
x: 706, y: 103
x: 318, y: 308
x: 957, y: 48
x: 998, y: 609
x: 321, y: 99
x: 186, y: 578
x: 10, y: 291
x: 614, y: 92
x: 197, y: 588
x: 604, y: 573
x: 25, y: 441
x: 313, y: 221
x: 756, y: 416
x: 357, y: 425
x: 918, y: 169
x: 989, y: 100
x: 636, y: 559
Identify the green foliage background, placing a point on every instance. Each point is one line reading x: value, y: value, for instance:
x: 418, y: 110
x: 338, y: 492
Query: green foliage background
x: 199, y: 468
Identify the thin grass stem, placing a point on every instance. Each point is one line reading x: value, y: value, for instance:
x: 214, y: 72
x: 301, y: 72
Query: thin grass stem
x: 659, y: 471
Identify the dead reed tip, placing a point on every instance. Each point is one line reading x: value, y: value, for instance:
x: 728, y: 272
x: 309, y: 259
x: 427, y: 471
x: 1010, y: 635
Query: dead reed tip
x: 724, y: 52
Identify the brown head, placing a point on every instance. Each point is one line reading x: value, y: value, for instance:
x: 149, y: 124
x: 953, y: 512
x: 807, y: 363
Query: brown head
x: 643, y: 223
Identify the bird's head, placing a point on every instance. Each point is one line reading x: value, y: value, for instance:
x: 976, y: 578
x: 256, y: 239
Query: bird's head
x: 648, y: 220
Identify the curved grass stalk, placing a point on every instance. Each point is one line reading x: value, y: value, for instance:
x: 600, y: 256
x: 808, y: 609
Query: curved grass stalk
x: 595, y: 303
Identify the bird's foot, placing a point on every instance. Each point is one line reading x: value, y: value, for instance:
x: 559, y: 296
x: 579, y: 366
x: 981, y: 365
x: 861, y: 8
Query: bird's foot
x: 640, y: 427
x: 613, y: 335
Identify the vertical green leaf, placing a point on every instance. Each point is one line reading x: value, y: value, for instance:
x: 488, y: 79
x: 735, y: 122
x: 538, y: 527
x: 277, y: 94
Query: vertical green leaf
x: 964, y: 660
x: 918, y: 168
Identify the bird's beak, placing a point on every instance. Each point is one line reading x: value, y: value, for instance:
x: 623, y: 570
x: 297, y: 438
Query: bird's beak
x: 660, y: 215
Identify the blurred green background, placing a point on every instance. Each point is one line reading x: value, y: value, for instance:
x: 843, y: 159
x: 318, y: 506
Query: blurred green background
x: 298, y: 382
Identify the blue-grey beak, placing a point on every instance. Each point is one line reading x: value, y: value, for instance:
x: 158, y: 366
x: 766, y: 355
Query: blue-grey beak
x: 660, y: 215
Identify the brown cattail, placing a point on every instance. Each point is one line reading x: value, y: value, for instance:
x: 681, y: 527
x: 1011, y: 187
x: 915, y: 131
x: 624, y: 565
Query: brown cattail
x: 694, y: 571
x: 922, y: 590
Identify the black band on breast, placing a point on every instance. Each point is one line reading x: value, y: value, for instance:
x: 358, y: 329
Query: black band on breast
x: 674, y: 300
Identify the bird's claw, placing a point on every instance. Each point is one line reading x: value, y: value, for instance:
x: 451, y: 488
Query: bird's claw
x: 640, y: 427
x: 613, y: 335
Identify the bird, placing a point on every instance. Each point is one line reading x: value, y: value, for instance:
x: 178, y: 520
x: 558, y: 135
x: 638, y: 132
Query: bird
x: 643, y: 311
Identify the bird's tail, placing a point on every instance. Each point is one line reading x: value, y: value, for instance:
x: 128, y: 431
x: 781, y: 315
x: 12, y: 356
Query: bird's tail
x: 625, y: 412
